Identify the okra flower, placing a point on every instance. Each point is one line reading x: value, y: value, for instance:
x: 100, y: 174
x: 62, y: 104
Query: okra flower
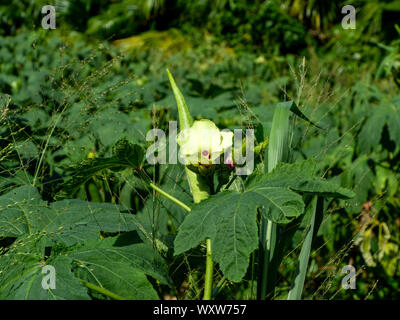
x: 203, y: 143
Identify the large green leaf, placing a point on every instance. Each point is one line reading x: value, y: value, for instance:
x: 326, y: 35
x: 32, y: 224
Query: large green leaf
x: 229, y: 220
x: 21, y: 274
x: 371, y: 133
x: 118, y: 265
x: 302, y: 177
x: 29, y: 286
x: 120, y: 269
x: 16, y: 210
x: 125, y: 155
x: 126, y: 249
x: 22, y: 211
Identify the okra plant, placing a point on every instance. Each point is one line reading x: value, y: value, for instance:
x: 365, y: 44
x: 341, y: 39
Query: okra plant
x: 236, y: 219
x: 247, y: 199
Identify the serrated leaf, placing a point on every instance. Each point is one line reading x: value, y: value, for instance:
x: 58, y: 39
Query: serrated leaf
x: 127, y: 249
x: 118, y: 278
x: 120, y: 270
x: 229, y: 220
x: 301, y: 176
x: 371, y: 132
x: 21, y: 274
x: 125, y: 155
x: 23, y: 212
x: 16, y: 208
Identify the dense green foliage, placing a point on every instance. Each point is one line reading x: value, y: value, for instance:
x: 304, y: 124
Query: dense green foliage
x: 76, y: 104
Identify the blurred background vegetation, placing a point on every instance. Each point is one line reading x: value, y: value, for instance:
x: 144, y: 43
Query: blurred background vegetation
x: 73, y: 92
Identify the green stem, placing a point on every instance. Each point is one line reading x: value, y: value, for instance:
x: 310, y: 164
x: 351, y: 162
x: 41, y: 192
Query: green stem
x: 268, y: 232
x: 209, y: 272
x: 219, y: 287
x: 266, y: 245
x: 101, y: 290
x: 168, y: 196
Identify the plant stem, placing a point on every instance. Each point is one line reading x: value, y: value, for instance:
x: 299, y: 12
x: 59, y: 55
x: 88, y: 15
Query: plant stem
x: 219, y: 286
x: 209, y: 272
x: 266, y: 258
x: 168, y: 196
x: 101, y: 290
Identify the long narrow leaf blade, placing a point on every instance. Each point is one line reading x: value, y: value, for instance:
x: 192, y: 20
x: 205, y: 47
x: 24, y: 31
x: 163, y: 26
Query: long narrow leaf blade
x: 278, y: 151
x: 301, y: 270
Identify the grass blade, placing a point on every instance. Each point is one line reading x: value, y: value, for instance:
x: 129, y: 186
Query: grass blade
x: 278, y: 151
x: 298, y: 283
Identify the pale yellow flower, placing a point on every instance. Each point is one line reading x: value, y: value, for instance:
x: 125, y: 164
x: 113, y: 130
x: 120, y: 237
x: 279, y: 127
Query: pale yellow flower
x: 203, y: 143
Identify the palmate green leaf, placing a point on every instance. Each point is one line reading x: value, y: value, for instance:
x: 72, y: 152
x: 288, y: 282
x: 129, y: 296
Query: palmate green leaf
x: 23, y: 212
x: 371, y: 132
x: 120, y: 267
x: 110, y: 125
x: 126, y: 249
x: 301, y: 177
x: 229, y: 220
x: 73, y: 220
x: 16, y: 209
x: 28, y: 284
x: 125, y: 155
x: 118, y: 278
x: 21, y: 274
